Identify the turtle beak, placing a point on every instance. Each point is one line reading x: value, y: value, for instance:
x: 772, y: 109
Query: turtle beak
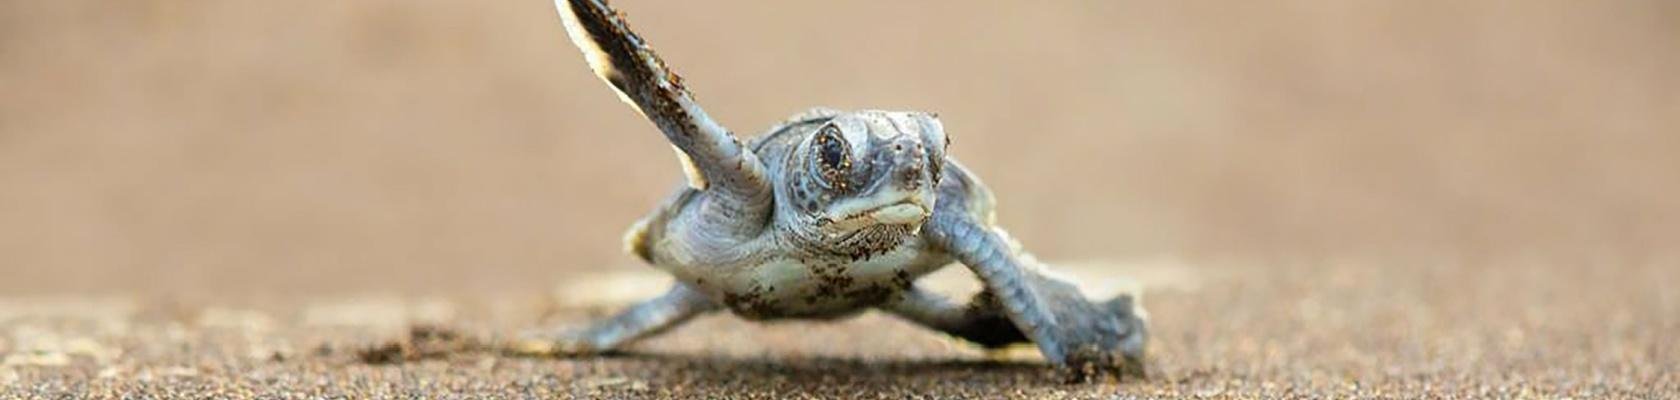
x: 908, y: 212
x: 912, y: 209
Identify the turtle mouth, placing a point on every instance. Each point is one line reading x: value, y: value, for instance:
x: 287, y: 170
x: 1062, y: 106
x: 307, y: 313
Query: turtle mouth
x: 910, y: 213
x: 873, y: 239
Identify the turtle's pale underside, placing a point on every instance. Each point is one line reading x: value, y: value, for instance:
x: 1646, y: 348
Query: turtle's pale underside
x: 827, y: 214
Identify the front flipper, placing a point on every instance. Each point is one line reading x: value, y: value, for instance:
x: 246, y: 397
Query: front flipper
x: 1079, y: 335
x: 642, y: 320
x: 980, y: 321
x: 711, y: 155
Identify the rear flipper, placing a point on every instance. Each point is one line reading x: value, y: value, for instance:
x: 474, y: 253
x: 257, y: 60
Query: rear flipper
x: 984, y: 322
x: 980, y: 321
x: 639, y: 321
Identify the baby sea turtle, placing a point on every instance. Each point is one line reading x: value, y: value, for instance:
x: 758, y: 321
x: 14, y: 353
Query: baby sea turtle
x: 827, y: 214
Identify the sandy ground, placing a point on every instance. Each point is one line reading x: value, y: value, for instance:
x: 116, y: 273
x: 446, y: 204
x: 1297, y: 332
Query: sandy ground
x: 255, y: 198
x: 1327, y: 330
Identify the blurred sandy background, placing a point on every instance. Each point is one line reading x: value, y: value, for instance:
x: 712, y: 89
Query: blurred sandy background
x: 227, y: 147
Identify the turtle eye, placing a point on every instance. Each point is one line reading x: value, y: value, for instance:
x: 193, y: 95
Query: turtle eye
x: 833, y: 155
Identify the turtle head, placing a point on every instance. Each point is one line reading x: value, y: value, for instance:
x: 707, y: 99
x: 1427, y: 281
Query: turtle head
x: 863, y: 180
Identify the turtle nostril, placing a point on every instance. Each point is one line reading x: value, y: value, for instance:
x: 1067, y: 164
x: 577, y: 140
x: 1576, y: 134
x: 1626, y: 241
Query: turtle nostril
x: 898, y: 146
x: 911, y: 177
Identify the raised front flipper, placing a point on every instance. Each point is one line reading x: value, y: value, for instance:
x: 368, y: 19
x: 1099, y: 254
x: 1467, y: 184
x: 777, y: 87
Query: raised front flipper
x: 714, y: 158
